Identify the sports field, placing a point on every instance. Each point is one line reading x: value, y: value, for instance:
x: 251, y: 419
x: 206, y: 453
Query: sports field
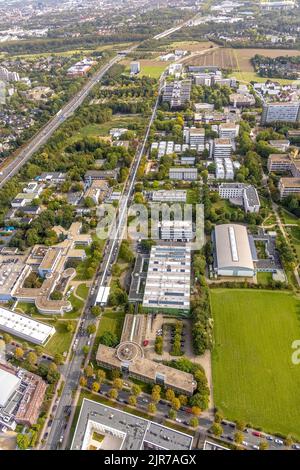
x: 254, y: 378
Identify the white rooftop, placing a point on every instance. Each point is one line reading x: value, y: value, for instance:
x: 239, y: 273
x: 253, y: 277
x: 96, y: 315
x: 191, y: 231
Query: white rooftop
x: 8, y: 385
x: 23, y: 326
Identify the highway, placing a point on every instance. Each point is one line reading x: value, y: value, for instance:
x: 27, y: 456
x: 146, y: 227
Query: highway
x: 44, y: 134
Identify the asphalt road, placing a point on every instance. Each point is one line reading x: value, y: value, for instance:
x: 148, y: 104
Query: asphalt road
x: 71, y: 372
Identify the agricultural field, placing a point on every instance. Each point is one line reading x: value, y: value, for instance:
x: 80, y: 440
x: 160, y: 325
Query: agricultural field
x: 239, y: 61
x: 190, y: 46
x: 253, y: 375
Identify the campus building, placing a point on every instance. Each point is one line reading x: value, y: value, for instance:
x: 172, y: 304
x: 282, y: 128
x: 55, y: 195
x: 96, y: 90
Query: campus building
x: 178, y: 230
x: 25, y: 327
x: 135, y: 68
x: 168, y: 280
x: 280, y: 112
x: 233, y: 256
x: 129, y: 358
x: 228, y: 130
x: 222, y: 148
x: 289, y: 186
x: 101, y: 427
x: 21, y: 396
x: 240, y: 191
x: 187, y: 174
x: 177, y: 93
x: 168, y: 196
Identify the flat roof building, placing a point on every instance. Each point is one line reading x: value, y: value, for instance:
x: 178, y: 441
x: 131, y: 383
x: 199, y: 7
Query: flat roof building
x: 122, y: 431
x: 246, y: 192
x: 289, y: 186
x: 169, y: 196
x: 178, y: 230
x: 222, y: 148
x: 280, y: 112
x: 187, y: 174
x: 279, y: 162
x: 232, y: 251
x: 25, y: 327
x: 177, y: 93
x: 21, y: 396
x: 168, y: 280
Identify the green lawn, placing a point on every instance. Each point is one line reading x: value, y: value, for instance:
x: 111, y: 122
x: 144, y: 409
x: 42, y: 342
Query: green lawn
x: 83, y: 291
x: 264, y: 278
x: 77, y: 306
x: 253, y: 375
x: 248, y: 77
x: 153, y: 71
x: 110, y: 321
x: 61, y: 340
x: 289, y: 218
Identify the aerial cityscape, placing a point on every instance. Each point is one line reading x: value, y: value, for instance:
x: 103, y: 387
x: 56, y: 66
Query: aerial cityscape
x: 149, y: 226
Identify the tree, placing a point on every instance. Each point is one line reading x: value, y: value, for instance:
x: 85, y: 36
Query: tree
x: 109, y: 339
x: 288, y: 441
x: 219, y: 417
x: 240, y: 425
x: 89, y: 371
x: 31, y: 358
x: 155, y: 395
x: 172, y: 414
x: 101, y: 375
x: 7, y: 338
x: 23, y: 441
x: 152, y: 408
x: 85, y: 350
x: 136, y: 390
x: 96, y: 310
x: 70, y: 327
x: 39, y: 351
x: 238, y: 437
x: 217, y: 429
x: 91, y: 329
x: 170, y: 394
x: 183, y: 400
x: 113, y: 393
x: 53, y: 374
x: 196, y: 411
x: 82, y: 381
x: 58, y: 359
x: 194, y: 422
x: 118, y: 384
x: 175, y: 403
x: 263, y: 445
x: 95, y: 387
x: 19, y: 353
x: 132, y: 400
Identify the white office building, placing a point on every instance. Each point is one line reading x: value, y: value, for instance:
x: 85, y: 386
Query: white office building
x: 169, y: 196
x: 176, y: 230
x: 186, y: 174
x: 281, y: 112
x: 245, y: 192
x: 228, y: 130
x: 135, y: 68
x: 222, y: 148
x: 195, y: 136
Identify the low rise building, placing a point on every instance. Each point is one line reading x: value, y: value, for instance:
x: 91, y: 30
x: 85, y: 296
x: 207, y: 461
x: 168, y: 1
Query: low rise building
x: 168, y: 279
x: 21, y: 396
x: 232, y: 251
x: 120, y: 430
x: 168, y: 196
x: 289, y: 186
x: 247, y: 193
x: 25, y: 327
x: 178, y: 230
x: 187, y: 174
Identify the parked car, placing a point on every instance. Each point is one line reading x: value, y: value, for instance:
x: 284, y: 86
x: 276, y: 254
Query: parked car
x: 279, y: 442
x: 256, y: 433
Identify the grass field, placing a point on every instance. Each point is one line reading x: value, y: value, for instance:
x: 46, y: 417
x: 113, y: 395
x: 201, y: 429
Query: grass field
x: 61, y: 340
x: 264, y: 278
x: 149, y: 67
x: 253, y: 375
x: 83, y: 291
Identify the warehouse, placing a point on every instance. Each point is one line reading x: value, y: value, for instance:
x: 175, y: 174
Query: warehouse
x: 232, y: 251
